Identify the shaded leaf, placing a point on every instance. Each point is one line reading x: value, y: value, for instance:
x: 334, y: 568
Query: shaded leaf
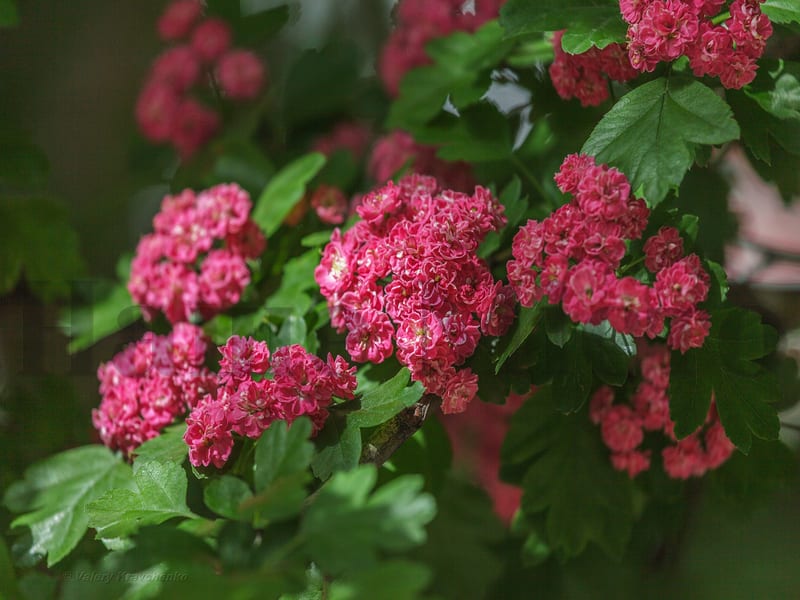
x: 650, y: 134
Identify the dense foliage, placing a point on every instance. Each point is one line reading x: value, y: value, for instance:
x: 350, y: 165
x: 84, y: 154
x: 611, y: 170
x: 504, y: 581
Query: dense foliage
x: 439, y: 330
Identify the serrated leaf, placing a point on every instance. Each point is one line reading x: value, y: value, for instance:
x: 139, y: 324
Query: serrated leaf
x: 226, y: 495
x: 567, y: 478
x: 743, y: 390
x: 381, y: 403
x: 461, y: 73
x: 345, y: 525
x: 56, y: 491
x: 168, y: 446
x: 285, y: 190
x: 282, y: 450
x: 526, y: 322
x: 339, y: 447
x: 650, y: 134
x: 781, y: 11
x: 158, y: 494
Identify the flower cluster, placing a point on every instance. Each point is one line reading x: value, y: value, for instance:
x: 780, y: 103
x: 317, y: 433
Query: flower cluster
x: 165, y: 110
x: 420, y: 21
x: 256, y: 389
x: 573, y: 255
x: 194, y: 264
x: 585, y: 76
x: 663, y: 30
x: 148, y: 384
x: 623, y: 425
x: 330, y: 204
x: 398, y: 150
x: 407, y: 274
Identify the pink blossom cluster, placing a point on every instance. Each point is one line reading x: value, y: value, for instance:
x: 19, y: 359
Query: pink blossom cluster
x: 419, y: 21
x: 352, y: 136
x: 256, y: 389
x: 166, y: 111
x: 195, y: 262
x: 407, y: 275
x: 398, y: 150
x: 623, y: 425
x: 572, y: 257
x: 148, y: 384
x: 585, y: 76
x: 663, y: 30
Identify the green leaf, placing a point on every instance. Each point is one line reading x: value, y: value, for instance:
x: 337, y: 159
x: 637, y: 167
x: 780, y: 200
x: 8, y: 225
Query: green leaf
x: 609, y: 352
x: 480, y: 133
x: 390, y: 580
x: 379, y: 404
x: 572, y: 377
x: 8, y: 13
x: 782, y: 11
x: 56, y: 491
x: 743, y: 390
x: 280, y: 471
x: 345, y: 525
x: 37, y: 239
x: 168, y: 446
x: 8, y: 580
x: 461, y: 72
x: 158, y: 494
x: 558, y: 326
x: 225, y: 496
x: 285, y: 190
x: 526, y: 322
x: 298, y: 277
x: 90, y: 324
x: 651, y: 133
x: 282, y: 450
x: 23, y: 164
x: 588, y: 22
x: 339, y: 447
x: 567, y: 478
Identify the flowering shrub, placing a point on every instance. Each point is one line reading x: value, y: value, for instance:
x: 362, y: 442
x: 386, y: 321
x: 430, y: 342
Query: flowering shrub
x: 457, y: 365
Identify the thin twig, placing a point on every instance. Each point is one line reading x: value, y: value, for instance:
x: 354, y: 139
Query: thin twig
x: 394, y: 433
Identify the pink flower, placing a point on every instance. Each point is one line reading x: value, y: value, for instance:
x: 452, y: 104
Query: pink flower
x: 663, y: 249
x: 689, y: 330
x: 195, y: 125
x: 634, y: 462
x: 177, y: 68
x: 211, y: 39
x: 681, y: 286
x: 241, y: 74
x: 156, y: 111
x: 586, y: 292
x: 178, y: 19
x: 223, y: 277
x: 330, y: 204
x: 208, y: 434
x: 350, y: 136
x: 370, y: 337
x: 621, y: 428
x: 241, y: 357
x: 630, y: 308
x: 685, y: 459
x: 600, y: 403
x: 459, y: 392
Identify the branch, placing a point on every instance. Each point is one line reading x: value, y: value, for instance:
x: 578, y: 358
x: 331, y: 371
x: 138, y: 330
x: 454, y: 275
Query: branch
x: 394, y: 433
